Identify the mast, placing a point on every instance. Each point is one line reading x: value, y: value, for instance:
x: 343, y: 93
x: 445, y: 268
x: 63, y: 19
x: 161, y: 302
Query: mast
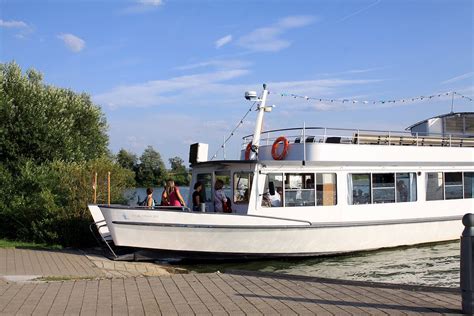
x: 259, y: 123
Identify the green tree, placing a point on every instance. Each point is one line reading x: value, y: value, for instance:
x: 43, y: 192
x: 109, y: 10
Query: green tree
x: 127, y: 159
x: 178, y: 171
x: 52, y: 141
x: 43, y: 123
x: 151, y: 170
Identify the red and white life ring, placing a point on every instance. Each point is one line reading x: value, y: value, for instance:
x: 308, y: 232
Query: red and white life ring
x: 247, y: 151
x: 276, y: 144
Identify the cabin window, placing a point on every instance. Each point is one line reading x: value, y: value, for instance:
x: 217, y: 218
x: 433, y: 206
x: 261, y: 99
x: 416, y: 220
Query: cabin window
x: 225, y: 177
x: 383, y: 188
x: 434, y: 186
x: 361, y: 189
x: 242, y: 187
x: 406, y: 187
x: 453, y: 185
x: 276, y: 180
x: 468, y: 185
x: 326, y: 193
x: 299, y: 189
x: 206, y: 180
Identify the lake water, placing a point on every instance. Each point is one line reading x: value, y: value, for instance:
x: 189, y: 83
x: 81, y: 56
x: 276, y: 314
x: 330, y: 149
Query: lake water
x: 434, y: 264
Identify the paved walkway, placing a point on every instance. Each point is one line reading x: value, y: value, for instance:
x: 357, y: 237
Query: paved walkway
x: 232, y: 293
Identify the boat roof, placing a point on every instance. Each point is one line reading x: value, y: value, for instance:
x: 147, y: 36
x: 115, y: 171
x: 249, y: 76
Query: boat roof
x: 224, y: 163
x: 440, y: 116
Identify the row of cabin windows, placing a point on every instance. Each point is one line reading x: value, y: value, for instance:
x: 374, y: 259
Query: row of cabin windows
x: 319, y: 189
x: 300, y: 189
x: 371, y: 188
x: 449, y: 185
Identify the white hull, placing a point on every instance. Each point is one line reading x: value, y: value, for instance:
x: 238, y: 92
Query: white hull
x: 266, y: 236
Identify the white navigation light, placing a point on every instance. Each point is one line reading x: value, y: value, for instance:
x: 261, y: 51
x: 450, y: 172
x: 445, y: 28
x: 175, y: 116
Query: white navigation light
x: 251, y: 95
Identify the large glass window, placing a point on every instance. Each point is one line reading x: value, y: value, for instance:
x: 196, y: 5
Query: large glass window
x: 206, y: 180
x: 406, y: 187
x: 299, y: 189
x: 242, y: 187
x: 383, y: 187
x: 434, y: 186
x: 326, y: 192
x: 276, y: 200
x: 453, y: 185
x: 225, y: 177
x: 361, y: 189
x: 468, y: 185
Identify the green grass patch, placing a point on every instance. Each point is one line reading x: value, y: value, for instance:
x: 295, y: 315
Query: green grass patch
x: 5, y: 243
x: 65, y: 278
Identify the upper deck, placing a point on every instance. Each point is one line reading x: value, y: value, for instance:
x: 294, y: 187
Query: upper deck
x: 365, y: 146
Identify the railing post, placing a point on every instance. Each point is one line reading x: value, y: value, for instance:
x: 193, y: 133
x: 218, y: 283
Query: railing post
x: 467, y: 261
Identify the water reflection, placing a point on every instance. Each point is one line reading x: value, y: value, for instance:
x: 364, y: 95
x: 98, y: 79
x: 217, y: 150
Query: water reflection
x: 435, y: 265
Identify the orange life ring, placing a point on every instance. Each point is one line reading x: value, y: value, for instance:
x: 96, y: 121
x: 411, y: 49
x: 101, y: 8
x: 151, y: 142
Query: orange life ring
x: 247, y: 151
x: 275, y: 146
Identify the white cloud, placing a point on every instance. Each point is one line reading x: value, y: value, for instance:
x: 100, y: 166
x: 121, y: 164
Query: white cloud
x: 72, y: 42
x: 13, y: 24
x: 163, y: 92
x: 223, y: 41
x: 268, y: 39
x: 458, y: 78
x: 154, y: 3
x: 218, y: 63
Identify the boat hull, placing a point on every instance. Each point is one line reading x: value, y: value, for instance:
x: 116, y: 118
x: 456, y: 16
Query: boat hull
x: 255, y: 236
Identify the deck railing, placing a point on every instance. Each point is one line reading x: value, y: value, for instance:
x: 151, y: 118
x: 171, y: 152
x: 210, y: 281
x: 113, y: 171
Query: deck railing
x: 361, y: 137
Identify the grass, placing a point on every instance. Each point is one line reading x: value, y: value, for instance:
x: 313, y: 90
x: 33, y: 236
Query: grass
x: 5, y: 243
x: 65, y: 278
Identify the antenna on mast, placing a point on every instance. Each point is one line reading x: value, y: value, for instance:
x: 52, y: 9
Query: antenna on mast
x: 452, y: 102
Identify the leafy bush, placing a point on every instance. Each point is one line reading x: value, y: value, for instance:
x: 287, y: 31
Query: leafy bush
x: 50, y: 202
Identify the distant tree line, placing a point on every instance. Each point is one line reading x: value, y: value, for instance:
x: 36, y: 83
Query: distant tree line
x: 150, y: 169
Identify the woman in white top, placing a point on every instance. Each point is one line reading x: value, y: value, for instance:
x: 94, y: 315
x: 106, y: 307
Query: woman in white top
x: 219, y: 196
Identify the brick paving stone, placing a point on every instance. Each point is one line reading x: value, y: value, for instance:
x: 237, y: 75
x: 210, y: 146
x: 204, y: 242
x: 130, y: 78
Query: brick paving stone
x: 62, y: 298
x: 165, y: 302
x: 104, y: 297
x: 222, y: 299
x: 48, y: 298
x: 207, y: 299
x: 18, y: 299
x: 150, y: 305
x: 284, y: 286
x: 193, y: 300
x: 176, y: 296
x: 91, y: 294
x: 33, y: 299
x: 227, y: 288
x: 134, y: 302
x: 119, y: 298
x: 8, y: 295
x: 76, y: 299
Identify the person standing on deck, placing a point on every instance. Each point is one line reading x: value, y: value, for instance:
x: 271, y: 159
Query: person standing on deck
x: 171, y: 195
x: 219, y: 196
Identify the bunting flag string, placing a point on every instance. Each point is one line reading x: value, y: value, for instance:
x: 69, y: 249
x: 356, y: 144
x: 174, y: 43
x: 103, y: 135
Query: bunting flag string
x: 428, y: 97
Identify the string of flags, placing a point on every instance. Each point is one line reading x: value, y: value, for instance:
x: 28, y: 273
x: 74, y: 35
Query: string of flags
x: 428, y: 97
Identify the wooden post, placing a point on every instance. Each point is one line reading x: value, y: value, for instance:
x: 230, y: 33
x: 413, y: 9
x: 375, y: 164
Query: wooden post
x: 94, y: 186
x: 108, y: 188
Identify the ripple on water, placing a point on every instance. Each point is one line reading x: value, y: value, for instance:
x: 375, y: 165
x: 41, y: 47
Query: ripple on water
x: 434, y: 265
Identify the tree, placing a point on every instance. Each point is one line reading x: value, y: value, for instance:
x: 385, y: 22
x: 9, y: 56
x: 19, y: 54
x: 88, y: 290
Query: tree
x: 52, y: 142
x: 43, y: 123
x: 178, y: 171
x: 127, y: 159
x: 151, y: 170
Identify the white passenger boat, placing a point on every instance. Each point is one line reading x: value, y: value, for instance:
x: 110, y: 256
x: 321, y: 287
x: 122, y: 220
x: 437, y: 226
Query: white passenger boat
x: 317, y: 191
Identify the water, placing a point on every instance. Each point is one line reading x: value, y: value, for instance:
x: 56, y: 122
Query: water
x: 434, y: 264
x: 139, y: 194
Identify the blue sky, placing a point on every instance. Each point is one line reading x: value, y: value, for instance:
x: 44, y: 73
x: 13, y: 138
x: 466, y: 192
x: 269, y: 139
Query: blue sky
x: 170, y: 73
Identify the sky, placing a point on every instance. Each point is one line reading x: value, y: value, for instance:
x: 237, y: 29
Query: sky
x: 169, y: 73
